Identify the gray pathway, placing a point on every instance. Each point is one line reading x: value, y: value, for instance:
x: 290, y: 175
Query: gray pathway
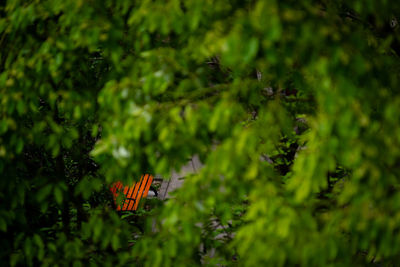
x: 177, y: 178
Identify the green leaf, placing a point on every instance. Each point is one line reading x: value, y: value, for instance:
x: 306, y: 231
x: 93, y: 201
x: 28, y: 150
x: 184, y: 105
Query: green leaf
x: 44, y: 192
x: 58, y: 195
x: 3, y: 225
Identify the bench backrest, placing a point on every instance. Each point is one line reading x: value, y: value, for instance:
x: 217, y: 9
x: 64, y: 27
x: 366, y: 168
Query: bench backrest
x: 132, y: 194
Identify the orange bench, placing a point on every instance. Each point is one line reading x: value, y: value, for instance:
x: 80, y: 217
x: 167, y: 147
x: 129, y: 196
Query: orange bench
x: 132, y: 194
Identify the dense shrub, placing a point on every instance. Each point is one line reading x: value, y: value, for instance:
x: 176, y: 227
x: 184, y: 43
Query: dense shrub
x: 292, y: 107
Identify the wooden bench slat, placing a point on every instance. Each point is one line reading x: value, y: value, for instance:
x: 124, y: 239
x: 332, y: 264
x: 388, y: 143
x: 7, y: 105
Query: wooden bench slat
x: 139, y: 195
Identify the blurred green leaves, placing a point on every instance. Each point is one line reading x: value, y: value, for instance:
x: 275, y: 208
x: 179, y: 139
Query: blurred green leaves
x: 292, y: 108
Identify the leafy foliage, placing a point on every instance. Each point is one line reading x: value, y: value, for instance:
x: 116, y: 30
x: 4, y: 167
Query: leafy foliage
x: 292, y: 107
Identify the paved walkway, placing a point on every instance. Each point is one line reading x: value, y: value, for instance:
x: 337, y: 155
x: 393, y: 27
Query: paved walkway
x: 177, y: 178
